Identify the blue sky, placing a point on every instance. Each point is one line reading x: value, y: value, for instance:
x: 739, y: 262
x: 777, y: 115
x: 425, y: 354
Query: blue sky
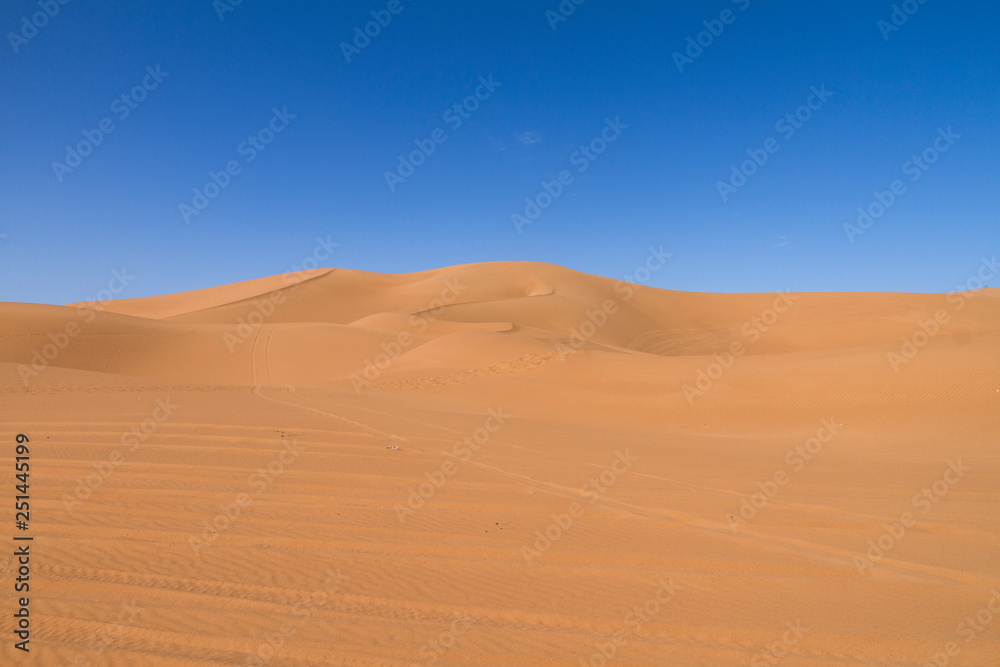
x: 554, y: 86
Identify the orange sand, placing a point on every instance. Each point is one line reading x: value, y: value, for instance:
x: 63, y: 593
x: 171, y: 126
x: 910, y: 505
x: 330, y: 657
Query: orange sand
x: 393, y: 449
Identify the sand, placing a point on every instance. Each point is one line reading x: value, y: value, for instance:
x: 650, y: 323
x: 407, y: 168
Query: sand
x: 506, y: 464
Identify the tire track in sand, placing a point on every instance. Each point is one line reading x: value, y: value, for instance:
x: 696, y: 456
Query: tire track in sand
x: 690, y: 521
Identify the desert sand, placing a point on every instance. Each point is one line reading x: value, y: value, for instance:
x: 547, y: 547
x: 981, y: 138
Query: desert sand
x: 506, y: 464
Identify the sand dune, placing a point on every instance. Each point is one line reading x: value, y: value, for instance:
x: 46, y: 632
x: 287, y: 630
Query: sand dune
x: 509, y: 464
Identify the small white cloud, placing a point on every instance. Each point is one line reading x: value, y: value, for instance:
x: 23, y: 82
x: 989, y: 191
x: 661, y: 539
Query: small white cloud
x: 784, y: 242
x: 498, y: 146
x: 528, y: 138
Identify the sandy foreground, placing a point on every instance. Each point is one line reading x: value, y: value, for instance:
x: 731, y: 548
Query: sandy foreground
x: 505, y: 464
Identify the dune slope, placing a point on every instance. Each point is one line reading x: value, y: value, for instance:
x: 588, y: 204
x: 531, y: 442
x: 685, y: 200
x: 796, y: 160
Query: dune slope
x: 508, y: 464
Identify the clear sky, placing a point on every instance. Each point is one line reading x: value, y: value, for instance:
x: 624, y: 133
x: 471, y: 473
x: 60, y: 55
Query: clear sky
x: 190, y: 88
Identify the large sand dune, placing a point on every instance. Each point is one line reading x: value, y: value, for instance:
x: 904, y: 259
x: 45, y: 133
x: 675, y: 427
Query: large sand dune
x: 508, y: 464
